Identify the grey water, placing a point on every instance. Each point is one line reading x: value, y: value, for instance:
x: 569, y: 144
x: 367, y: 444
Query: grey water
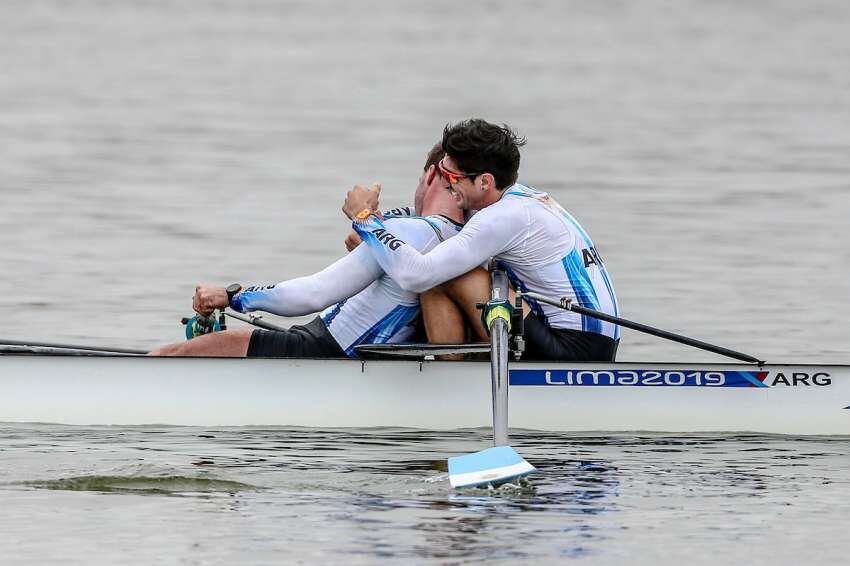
x: 146, y: 146
x: 268, y: 496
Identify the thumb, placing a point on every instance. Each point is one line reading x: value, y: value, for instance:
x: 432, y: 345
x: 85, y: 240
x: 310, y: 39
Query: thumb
x: 376, y: 187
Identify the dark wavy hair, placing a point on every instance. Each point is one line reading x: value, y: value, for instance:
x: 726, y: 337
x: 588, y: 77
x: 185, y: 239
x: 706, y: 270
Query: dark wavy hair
x: 480, y: 147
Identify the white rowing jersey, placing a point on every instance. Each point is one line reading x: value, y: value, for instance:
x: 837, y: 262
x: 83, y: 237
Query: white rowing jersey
x: 362, y: 305
x: 540, y: 245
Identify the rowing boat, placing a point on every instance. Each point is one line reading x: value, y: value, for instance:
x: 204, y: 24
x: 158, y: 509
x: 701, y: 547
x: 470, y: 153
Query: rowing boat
x: 122, y: 389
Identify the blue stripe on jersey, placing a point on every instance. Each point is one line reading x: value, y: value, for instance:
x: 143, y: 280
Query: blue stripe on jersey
x: 613, y: 299
x: 601, y: 267
x: 577, y: 226
x: 384, y: 330
x: 330, y: 314
x: 245, y: 301
x: 520, y: 193
x: 519, y: 284
x: 364, y: 230
x: 585, y: 294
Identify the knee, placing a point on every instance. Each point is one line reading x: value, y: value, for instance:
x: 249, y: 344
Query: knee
x: 434, y: 293
x: 471, y: 286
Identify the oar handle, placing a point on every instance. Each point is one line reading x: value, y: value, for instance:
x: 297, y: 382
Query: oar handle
x: 567, y: 304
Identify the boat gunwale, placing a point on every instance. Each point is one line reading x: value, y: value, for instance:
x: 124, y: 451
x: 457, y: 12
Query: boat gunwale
x: 396, y: 359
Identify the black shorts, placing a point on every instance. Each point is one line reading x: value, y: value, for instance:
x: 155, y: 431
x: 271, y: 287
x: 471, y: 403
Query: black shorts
x: 311, y: 340
x: 543, y: 343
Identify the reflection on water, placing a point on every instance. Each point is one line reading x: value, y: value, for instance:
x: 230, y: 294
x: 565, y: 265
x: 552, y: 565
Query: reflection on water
x: 169, y: 485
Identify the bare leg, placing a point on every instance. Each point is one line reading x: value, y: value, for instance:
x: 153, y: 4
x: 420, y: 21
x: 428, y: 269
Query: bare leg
x: 444, y: 322
x: 445, y: 306
x: 227, y: 344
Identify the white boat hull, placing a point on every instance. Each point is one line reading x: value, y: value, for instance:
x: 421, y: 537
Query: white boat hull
x: 93, y: 390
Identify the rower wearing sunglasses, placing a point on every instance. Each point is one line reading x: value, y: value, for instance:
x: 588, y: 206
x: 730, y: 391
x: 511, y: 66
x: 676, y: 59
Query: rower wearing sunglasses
x: 362, y: 305
x: 538, y: 243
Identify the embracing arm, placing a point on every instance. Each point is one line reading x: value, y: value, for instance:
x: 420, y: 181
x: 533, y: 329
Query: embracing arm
x: 343, y: 279
x: 479, y: 240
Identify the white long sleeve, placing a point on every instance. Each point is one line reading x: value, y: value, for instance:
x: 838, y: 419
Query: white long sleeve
x: 304, y: 295
x: 488, y: 233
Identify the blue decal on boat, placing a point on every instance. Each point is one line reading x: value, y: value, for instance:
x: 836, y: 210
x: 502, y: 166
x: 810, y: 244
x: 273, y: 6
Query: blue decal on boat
x: 635, y: 378
x: 752, y: 377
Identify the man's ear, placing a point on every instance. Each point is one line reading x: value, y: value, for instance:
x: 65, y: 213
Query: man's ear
x: 488, y: 181
x: 430, y: 174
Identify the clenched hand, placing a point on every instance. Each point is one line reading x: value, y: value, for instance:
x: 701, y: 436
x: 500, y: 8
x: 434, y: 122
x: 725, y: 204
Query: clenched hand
x: 360, y: 198
x: 208, y: 298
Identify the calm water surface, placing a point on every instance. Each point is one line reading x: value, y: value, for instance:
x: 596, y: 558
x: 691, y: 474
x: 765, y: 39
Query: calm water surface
x: 199, y: 496
x: 149, y: 145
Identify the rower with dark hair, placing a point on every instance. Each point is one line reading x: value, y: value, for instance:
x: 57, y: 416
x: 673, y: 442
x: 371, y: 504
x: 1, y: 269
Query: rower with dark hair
x: 362, y: 305
x: 540, y: 245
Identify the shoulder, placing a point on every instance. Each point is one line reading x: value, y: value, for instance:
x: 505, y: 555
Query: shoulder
x: 415, y: 230
x: 443, y: 227
x: 520, y: 204
x: 520, y: 195
x: 404, y: 223
x: 507, y: 211
x: 403, y: 212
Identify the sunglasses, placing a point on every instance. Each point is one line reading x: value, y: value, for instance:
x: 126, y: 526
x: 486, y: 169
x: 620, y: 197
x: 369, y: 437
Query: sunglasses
x: 454, y: 177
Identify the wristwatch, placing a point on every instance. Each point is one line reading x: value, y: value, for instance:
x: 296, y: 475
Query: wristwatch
x: 231, y: 291
x: 364, y: 214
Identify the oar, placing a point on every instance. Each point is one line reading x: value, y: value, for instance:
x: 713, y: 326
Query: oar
x: 256, y: 320
x: 567, y: 304
x: 18, y: 346
x: 500, y: 464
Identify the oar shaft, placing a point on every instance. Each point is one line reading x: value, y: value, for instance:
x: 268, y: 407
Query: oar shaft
x: 255, y: 321
x: 566, y: 304
x: 499, y: 352
x: 69, y: 347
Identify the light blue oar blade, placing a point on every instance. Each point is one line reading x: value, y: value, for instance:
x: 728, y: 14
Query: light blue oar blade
x: 492, y: 466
